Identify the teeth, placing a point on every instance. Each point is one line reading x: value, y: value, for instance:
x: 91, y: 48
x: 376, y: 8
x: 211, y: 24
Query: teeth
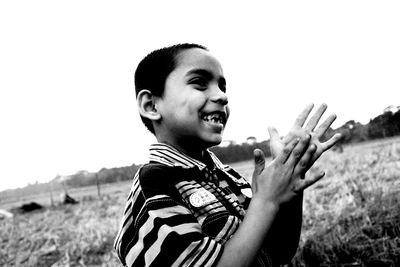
x: 214, y: 117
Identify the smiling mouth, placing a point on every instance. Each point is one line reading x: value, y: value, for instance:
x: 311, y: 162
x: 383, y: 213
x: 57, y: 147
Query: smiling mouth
x: 216, y: 117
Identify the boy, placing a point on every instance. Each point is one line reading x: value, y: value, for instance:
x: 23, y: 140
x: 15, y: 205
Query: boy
x: 185, y: 207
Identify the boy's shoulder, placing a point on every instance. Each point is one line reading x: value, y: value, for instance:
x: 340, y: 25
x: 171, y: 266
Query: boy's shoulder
x: 155, y: 172
x: 160, y: 179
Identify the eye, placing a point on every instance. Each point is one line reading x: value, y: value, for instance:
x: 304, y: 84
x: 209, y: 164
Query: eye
x: 222, y: 85
x: 200, y: 83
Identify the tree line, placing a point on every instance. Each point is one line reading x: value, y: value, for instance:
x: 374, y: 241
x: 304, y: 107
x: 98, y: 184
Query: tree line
x: 382, y: 126
x: 103, y: 176
x: 385, y: 125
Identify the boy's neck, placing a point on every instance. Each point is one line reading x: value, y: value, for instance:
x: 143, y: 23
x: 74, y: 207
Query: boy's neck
x: 191, y: 151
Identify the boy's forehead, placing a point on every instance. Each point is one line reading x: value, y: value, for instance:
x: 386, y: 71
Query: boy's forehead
x: 197, y: 58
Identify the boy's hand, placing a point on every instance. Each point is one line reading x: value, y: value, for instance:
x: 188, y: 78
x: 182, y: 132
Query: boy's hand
x: 297, y: 130
x: 280, y: 180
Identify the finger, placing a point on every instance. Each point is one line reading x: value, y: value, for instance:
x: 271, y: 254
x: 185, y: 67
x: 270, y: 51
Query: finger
x: 331, y: 142
x: 259, y: 161
x: 273, y: 133
x: 312, y: 123
x: 301, y: 119
x: 305, y: 162
x: 305, y: 183
x: 325, y: 126
x: 299, y: 150
x: 287, y: 150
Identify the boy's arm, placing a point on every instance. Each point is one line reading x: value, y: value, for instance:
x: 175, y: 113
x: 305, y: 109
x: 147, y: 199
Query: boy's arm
x: 283, y: 239
x: 278, y: 184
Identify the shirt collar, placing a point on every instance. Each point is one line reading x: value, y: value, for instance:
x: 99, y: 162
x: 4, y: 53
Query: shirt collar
x: 170, y: 156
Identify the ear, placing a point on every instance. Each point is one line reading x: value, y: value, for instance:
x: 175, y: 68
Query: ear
x: 147, y: 105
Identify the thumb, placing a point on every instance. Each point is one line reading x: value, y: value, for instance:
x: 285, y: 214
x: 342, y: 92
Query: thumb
x: 273, y: 133
x: 259, y: 161
x: 274, y: 140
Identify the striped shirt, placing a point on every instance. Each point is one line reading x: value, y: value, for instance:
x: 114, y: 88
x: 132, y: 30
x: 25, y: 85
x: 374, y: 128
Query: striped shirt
x: 181, y: 211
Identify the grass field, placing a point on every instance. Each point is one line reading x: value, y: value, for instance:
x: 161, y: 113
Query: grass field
x: 351, y: 217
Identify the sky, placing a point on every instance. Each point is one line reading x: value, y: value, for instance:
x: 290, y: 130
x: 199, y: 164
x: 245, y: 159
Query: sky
x: 67, y: 100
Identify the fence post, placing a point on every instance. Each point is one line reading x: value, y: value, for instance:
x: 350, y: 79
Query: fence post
x: 98, y: 184
x: 51, y: 194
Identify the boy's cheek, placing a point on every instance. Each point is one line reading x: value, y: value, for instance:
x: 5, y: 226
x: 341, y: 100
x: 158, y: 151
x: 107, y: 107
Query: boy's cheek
x: 228, y: 112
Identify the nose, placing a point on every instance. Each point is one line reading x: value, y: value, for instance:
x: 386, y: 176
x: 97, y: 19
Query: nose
x: 219, y: 96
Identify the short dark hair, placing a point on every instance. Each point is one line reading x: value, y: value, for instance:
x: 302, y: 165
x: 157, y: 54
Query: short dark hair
x: 153, y: 70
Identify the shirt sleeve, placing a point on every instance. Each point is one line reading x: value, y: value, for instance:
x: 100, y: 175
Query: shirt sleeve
x: 158, y: 230
x: 263, y: 258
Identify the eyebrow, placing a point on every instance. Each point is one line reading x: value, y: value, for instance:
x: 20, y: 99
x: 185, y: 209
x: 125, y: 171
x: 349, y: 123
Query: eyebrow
x: 207, y: 74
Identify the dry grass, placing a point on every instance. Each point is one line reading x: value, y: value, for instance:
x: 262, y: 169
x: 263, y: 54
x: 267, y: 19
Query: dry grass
x: 351, y: 218
x: 79, y: 235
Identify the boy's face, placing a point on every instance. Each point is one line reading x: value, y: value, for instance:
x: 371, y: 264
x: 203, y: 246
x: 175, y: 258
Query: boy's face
x: 193, y: 108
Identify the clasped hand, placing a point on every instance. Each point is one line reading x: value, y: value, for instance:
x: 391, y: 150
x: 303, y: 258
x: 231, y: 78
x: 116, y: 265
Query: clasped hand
x: 293, y: 155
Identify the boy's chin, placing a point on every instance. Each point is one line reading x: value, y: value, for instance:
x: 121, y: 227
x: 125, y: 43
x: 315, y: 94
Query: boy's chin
x: 213, y: 141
